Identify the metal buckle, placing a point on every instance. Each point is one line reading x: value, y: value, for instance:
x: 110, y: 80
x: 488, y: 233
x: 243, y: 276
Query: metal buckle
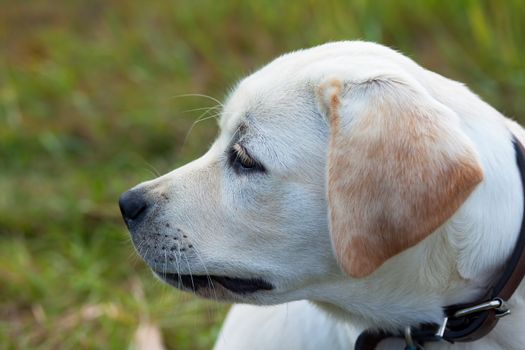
x: 497, y: 303
x: 441, y: 331
x: 408, y: 338
x: 410, y: 343
x: 502, y: 310
x: 500, y: 307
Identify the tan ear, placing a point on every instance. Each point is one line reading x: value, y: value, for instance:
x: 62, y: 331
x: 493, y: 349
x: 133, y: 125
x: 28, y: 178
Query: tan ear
x: 398, y: 168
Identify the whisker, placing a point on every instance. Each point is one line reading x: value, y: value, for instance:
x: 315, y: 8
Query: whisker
x: 152, y: 169
x: 210, y: 282
x: 189, y: 270
x: 175, y: 254
x: 200, y: 119
x: 198, y: 95
x: 146, y: 253
x: 211, y: 312
x: 200, y: 109
x: 135, y: 259
x: 203, y: 116
x: 164, y: 267
x: 139, y: 246
x: 125, y: 239
x: 235, y: 133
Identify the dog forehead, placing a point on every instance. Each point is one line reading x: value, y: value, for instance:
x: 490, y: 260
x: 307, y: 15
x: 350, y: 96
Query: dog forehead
x: 263, y: 99
x: 281, y: 78
x: 272, y: 90
x: 282, y: 93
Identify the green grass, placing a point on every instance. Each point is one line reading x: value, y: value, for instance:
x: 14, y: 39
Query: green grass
x: 89, y: 107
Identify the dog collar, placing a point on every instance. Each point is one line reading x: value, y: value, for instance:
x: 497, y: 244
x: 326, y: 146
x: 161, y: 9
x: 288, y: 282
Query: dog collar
x: 470, y: 321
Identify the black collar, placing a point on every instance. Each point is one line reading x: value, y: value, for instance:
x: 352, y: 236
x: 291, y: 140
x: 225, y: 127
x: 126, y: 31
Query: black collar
x: 470, y: 321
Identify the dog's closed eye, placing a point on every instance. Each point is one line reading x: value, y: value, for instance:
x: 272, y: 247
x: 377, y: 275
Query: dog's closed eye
x: 241, y: 161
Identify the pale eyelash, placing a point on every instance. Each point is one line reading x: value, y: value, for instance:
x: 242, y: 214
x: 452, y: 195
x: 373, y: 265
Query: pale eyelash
x: 241, y: 153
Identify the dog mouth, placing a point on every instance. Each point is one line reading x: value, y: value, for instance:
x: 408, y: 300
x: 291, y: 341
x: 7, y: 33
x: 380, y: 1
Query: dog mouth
x: 233, y: 284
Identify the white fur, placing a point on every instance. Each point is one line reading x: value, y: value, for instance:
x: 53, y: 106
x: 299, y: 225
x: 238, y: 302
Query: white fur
x: 274, y: 225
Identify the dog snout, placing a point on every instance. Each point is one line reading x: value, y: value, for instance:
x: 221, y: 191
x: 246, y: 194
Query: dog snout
x: 133, y: 206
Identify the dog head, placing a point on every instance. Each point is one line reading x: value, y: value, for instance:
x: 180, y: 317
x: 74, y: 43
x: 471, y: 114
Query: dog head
x: 329, y: 163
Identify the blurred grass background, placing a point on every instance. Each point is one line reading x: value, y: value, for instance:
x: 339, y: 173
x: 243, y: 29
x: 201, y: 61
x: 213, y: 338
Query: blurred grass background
x: 89, y: 107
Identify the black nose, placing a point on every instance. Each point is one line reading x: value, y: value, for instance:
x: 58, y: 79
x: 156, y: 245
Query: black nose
x: 133, y: 205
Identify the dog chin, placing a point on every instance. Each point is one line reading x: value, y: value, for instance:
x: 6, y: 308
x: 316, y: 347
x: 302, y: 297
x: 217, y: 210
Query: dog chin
x: 217, y: 287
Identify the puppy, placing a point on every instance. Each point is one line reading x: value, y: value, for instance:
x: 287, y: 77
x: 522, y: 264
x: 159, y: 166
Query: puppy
x: 348, y: 176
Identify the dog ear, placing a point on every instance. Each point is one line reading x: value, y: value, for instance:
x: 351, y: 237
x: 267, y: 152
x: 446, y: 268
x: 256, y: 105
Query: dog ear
x: 398, y: 167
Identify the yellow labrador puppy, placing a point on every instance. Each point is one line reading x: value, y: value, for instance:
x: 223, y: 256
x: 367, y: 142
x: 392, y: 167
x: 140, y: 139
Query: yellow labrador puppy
x: 352, y: 187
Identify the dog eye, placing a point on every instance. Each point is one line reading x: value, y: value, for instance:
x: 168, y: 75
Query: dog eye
x: 240, y: 160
